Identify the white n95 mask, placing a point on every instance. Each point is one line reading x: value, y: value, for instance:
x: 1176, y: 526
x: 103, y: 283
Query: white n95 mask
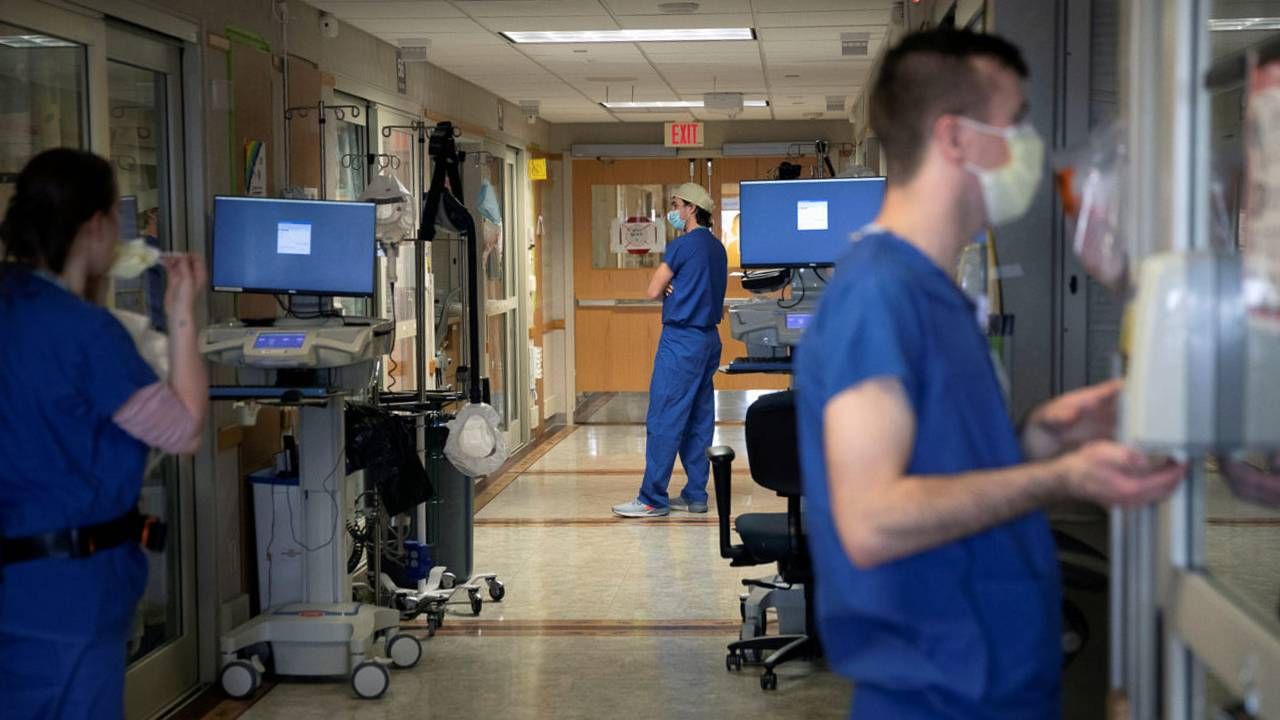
x: 132, y: 259
x: 1007, y: 191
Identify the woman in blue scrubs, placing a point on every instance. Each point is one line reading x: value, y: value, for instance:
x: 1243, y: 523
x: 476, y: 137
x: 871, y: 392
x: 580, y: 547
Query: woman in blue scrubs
x: 681, y: 417
x: 78, y: 410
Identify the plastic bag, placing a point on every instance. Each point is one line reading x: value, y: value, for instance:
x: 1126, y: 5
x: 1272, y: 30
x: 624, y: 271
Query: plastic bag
x: 1091, y: 185
x: 476, y: 444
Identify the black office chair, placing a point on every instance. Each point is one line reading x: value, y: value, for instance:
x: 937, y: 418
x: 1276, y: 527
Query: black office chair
x: 769, y: 537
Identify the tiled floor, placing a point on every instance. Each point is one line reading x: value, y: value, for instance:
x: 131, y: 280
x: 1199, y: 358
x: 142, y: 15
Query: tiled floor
x: 601, y: 615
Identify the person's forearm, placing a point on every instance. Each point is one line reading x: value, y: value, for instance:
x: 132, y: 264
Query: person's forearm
x: 917, y: 513
x: 187, y: 374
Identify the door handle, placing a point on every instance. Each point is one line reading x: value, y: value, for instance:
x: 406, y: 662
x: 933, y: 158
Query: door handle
x: 1073, y: 284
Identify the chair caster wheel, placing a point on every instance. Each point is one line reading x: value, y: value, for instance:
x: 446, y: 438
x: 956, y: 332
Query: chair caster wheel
x: 497, y: 590
x: 733, y: 662
x: 476, y: 603
x: 769, y: 680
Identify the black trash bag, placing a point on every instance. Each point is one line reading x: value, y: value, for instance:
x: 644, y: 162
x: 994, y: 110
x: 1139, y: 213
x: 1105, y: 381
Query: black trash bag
x: 383, y: 445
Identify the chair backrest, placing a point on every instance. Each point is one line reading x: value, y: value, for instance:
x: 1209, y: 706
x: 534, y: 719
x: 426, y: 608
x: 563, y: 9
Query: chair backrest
x: 772, y: 450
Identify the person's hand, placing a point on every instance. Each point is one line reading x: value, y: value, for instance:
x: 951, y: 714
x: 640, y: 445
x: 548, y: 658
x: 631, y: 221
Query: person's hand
x: 1252, y: 484
x: 186, y: 280
x: 1111, y: 474
x: 670, y: 289
x: 1071, y: 420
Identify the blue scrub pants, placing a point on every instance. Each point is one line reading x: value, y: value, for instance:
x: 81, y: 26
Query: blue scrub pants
x: 43, y: 678
x: 63, y: 628
x: 682, y: 412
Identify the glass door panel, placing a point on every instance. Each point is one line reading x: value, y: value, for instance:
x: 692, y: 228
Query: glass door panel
x: 43, y: 102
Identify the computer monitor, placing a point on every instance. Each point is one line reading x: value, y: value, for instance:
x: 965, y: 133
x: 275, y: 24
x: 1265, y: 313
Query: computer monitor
x: 804, y: 223
x: 302, y: 247
x: 128, y: 217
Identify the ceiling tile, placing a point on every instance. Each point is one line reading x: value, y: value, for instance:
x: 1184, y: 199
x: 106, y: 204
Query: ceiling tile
x: 600, y: 21
x: 682, y: 21
x: 875, y: 22
x: 650, y: 7
x: 804, y: 7
x: 349, y: 9
x: 528, y: 8
x: 419, y: 26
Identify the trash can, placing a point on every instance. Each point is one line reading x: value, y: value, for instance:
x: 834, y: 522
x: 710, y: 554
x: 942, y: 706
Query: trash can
x: 451, y: 514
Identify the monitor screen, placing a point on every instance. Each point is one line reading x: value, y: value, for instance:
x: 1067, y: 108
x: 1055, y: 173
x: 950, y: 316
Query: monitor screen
x: 309, y: 247
x: 804, y: 223
x: 128, y: 217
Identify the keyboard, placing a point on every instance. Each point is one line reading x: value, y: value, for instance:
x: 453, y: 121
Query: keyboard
x: 758, y: 365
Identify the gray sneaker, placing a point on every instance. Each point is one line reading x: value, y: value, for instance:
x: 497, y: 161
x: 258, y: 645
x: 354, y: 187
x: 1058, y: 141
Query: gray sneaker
x: 682, y: 505
x: 637, y: 509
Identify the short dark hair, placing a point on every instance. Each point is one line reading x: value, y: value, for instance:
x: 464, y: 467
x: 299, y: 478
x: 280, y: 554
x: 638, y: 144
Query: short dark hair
x: 703, y: 216
x: 927, y: 75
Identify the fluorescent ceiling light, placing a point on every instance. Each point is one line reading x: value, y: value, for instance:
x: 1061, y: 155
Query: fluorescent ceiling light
x: 630, y: 36
x: 674, y: 104
x: 1226, y: 24
x: 34, y: 41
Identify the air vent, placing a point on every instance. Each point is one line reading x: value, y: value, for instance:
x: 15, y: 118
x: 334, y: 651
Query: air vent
x: 414, y: 50
x: 855, y: 44
x: 835, y: 103
x: 679, y: 8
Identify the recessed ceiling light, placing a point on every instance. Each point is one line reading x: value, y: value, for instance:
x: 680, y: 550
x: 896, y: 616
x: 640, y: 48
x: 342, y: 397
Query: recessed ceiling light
x: 610, y: 79
x: 672, y: 104
x: 630, y: 36
x: 1228, y: 24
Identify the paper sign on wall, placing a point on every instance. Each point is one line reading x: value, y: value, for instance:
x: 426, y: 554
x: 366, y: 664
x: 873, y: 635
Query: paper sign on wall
x: 255, y: 168
x: 538, y: 169
x: 638, y: 238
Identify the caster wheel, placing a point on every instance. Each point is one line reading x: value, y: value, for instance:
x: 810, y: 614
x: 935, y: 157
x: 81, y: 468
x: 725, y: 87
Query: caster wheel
x: 239, y: 679
x: 768, y: 681
x: 431, y: 626
x: 404, y: 650
x: 497, y: 590
x: 476, y: 603
x: 370, y: 680
x: 732, y: 662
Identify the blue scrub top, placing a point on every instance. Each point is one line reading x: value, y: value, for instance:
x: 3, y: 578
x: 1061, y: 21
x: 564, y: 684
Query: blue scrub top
x: 66, y: 366
x: 701, y: 268
x: 970, y: 629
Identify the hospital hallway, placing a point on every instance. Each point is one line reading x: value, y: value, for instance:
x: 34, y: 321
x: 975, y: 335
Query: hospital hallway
x: 600, y: 612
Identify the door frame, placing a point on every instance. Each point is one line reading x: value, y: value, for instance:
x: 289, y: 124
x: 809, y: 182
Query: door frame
x: 166, y: 674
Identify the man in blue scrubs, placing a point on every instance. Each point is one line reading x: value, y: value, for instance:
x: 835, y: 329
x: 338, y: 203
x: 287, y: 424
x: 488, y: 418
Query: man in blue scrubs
x: 936, y: 578
x: 682, y: 412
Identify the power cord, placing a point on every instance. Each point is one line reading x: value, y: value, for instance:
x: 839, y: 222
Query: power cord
x: 797, y: 302
x: 337, y: 511
x: 393, y: 367
x: 289, y: 312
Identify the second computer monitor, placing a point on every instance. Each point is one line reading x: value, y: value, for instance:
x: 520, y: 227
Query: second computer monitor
x: 308, y: 247
x: 804, y: 223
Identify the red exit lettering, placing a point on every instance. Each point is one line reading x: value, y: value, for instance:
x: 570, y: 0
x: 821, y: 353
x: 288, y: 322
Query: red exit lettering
x: 684, y: 134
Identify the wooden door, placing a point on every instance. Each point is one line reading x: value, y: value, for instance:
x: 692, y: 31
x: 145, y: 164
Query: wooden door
x: 617, y: 331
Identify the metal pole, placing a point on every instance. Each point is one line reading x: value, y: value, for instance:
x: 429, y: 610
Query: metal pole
x: 420, y: 272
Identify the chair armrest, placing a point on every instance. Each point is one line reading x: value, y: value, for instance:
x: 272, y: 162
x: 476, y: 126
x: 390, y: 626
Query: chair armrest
x: 721, y: 458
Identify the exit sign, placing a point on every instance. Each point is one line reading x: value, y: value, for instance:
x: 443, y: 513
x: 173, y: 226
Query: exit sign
x: 684, y: 134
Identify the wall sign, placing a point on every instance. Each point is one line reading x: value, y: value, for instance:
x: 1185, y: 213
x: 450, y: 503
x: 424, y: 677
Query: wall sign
x: 684, y: 134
